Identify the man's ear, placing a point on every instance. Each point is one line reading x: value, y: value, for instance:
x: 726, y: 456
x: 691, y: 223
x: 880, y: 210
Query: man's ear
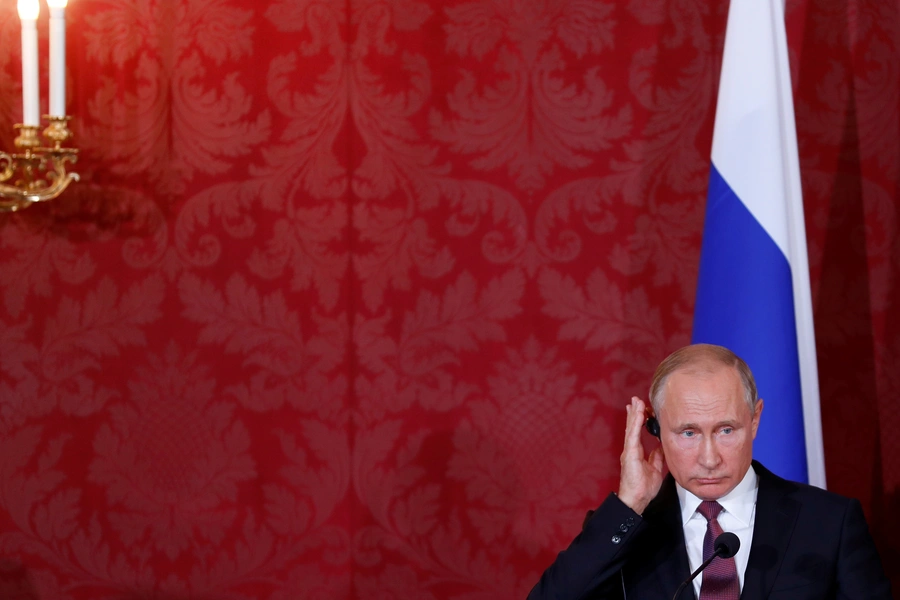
x: 757, y: 413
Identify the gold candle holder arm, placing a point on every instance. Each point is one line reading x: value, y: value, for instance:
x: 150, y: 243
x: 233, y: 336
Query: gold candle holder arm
x: 42, y: 169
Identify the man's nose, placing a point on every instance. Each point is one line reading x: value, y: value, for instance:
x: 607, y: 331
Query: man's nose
x: 709, y: 454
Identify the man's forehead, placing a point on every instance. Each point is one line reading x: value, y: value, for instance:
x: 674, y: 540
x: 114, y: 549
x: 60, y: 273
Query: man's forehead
x: 703, y: 369
x: 719, y: 392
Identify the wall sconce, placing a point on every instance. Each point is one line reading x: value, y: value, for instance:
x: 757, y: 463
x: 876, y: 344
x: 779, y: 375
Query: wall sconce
x: 38, y: 171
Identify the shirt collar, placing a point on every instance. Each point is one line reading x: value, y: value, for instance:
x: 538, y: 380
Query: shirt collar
x: 739, y: 502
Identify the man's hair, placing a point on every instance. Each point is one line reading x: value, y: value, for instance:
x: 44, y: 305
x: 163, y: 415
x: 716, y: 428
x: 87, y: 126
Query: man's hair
x: 701, y: 358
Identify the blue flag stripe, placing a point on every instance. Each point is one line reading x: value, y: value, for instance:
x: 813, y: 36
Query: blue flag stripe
x: 745, y: 303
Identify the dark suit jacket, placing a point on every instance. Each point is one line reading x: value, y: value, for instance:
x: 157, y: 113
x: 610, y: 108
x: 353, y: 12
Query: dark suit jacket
x: 808, y: 544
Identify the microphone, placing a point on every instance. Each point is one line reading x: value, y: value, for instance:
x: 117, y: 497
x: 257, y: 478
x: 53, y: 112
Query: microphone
x: 726, y: 546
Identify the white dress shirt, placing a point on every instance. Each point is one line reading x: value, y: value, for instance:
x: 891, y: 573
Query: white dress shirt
x: 737, y: 516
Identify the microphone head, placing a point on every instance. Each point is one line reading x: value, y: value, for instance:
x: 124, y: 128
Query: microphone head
x: 727, y: 545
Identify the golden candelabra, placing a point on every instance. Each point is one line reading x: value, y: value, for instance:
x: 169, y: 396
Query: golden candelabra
x: 38, y: 173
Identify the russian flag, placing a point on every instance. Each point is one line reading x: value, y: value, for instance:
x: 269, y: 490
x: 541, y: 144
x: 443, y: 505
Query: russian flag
x: 753, y: 292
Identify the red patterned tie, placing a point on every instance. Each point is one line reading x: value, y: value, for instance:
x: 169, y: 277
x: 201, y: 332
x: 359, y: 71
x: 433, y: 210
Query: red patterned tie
x: 720, y: 580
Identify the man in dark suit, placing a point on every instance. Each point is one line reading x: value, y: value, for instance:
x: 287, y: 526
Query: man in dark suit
x: 797, y: 542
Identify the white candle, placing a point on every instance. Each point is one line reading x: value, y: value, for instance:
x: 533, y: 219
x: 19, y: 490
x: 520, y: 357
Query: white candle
x: 57, y: 57
x: 28, y: 13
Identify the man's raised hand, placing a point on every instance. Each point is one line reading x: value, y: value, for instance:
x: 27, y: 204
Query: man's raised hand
x: 641, y: 476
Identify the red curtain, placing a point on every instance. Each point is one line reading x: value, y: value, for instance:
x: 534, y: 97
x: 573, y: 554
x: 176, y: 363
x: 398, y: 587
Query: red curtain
x: 351, y: 295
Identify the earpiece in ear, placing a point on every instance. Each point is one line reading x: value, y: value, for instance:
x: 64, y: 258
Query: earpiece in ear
x: 652, y: 426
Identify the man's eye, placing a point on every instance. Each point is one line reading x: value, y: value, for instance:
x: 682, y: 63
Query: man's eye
x: 687, y: 434
x: 728, y: 430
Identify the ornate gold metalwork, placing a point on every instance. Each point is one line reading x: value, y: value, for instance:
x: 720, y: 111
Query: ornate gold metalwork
x: 41, y: 170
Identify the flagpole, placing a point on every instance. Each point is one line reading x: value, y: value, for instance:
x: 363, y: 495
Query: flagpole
x: 803, y: 309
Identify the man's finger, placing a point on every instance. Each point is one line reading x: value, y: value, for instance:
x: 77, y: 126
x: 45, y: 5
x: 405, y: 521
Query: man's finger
x: 633, y: 425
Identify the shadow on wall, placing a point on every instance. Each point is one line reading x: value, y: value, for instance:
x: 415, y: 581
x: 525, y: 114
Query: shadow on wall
x: 843, y: 320
x: 15, y: 581
x: 885, y: 529
x: 844, y: 336
x: 885, y: 522
x: 856, y: 391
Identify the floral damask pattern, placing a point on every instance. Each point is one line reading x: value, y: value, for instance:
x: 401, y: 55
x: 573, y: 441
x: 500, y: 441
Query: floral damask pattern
x: 351, y: 295
x: 532, y: 451
x: 171, y: 460
x: 165, y: 52
x: 532, y: 113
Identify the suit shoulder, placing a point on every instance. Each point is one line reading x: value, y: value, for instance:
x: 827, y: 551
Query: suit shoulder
x: 804, y: 493
x: 811, y: 493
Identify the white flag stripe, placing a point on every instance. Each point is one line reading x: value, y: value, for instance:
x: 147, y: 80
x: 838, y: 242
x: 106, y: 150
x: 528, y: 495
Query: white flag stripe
x: 747, y: 94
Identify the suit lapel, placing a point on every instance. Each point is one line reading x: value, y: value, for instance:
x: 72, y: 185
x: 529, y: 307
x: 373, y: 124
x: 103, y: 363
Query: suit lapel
x: 776, y: 513
x: 670, y: 555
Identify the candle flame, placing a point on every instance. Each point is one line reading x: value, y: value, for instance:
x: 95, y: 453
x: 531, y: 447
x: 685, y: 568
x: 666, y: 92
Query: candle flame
x: 29, y: 10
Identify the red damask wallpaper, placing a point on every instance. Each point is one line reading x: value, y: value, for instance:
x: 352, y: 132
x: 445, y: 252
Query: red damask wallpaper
x: 352, y: 294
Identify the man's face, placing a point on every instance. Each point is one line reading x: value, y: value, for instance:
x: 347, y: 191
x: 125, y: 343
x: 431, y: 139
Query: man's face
x: 707, y: 430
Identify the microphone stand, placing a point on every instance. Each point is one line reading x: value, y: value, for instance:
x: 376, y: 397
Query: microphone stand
x: 719, y: 551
